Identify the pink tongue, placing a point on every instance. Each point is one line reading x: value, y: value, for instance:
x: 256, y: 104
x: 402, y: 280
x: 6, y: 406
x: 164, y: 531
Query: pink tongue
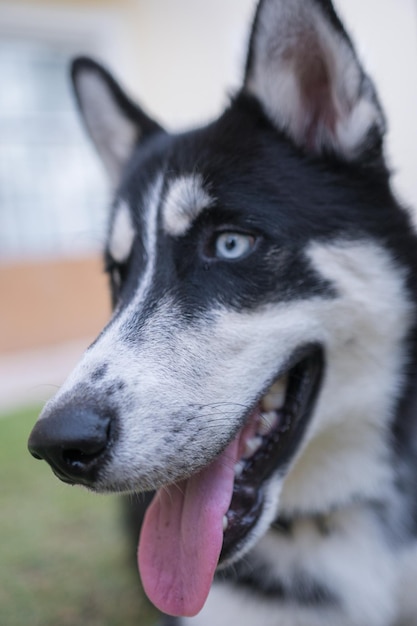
x: 182, y: 537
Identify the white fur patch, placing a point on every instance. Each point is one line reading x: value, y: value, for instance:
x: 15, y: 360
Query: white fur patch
x: 365, y: 328
x: 151, y: 203
x: 184, y: 201
x: 113, y: 133
x: 306, y: 75
x: 352, y: 560
x: 122, y: 234
x: 228, y: 604
x: 407, y: 597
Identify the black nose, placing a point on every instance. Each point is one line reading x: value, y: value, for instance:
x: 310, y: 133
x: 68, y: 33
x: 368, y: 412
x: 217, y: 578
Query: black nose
x: 73, y: 440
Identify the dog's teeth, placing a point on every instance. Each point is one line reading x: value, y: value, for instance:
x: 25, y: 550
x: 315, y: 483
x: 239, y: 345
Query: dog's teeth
x: 275, y: 398
x: 268, y: 422
x: 225, y: 523
x: 239, y: 468
x: 251, y: 446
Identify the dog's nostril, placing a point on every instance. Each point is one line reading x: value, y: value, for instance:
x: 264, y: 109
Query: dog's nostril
x: 76, y: 456
x: 81, y: 457
x: 73, y: 441
x: 77, y: 460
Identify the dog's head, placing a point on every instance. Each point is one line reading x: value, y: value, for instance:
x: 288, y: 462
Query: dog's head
x: 260, y: 309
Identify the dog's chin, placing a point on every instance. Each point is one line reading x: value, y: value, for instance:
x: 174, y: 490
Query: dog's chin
x: 268, y: 442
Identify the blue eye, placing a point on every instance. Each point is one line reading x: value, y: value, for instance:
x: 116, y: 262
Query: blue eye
x: 230, y: 246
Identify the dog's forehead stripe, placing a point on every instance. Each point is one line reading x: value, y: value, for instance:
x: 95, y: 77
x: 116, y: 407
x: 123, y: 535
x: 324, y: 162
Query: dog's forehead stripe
x: 153, y: 202
x: 151, y: 207
x: 122, y: 234
x: 184, y: 200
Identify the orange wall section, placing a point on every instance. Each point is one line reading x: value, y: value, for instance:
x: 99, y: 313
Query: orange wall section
x: 49, y: 302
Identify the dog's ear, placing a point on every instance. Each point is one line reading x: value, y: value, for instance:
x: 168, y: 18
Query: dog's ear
x: 115, y: 124
x: 303, y: 69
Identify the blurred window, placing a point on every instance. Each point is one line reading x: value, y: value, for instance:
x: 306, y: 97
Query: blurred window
x: 52, y: 190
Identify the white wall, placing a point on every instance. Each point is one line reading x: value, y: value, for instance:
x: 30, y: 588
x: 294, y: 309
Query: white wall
x: 189, y: 54
x: 385, y: 33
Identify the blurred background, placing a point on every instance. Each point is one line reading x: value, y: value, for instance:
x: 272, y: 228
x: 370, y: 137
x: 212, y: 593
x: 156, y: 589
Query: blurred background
x: 181, y: 59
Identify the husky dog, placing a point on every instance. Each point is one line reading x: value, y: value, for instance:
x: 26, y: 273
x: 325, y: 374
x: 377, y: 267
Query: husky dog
x: 258, y: 370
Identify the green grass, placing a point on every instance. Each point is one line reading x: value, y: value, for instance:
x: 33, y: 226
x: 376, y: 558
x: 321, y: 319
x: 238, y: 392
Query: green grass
x: 64, y: 559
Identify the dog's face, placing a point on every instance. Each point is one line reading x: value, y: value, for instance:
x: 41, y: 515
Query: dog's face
x: 255, y: 304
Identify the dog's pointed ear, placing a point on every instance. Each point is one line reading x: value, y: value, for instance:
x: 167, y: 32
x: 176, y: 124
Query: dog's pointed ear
x: 115, y: 124
x: 303, y: 69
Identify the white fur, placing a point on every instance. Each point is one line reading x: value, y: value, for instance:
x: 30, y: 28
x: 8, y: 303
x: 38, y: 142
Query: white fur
x: 122, y: 234
x: 113, y: 133
x: 355, y: 543
x: 151, y: 208
x: 366, y: 326
x: 185, y: 199
x: 293, y: 46
x: 228, y: 605
x: 407, y: 597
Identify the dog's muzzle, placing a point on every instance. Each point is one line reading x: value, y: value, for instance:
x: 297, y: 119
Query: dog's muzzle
x: 73, y: 440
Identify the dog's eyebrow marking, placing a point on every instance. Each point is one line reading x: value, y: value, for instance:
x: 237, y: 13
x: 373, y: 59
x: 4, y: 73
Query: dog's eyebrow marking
x: 122, y: 234
x: 184, y: 200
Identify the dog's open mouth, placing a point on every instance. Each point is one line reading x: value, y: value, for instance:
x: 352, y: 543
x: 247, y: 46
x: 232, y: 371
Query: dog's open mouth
x: 192, y: 526
x: 267, y: 442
